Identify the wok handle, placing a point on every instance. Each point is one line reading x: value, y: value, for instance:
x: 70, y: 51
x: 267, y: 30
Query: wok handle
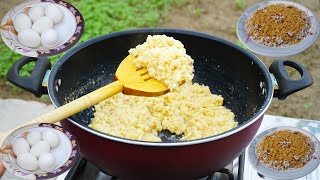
x: 73, y: 107
x: 33, y: 83
x: 287, y: 85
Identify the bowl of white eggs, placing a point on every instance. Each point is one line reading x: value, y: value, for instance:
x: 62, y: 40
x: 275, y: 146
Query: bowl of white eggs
x: 39, y: 151
x: 42, y: 28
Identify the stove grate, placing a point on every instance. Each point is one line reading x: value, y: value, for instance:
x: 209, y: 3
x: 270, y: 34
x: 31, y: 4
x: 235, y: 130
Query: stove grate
x: 83, y: 170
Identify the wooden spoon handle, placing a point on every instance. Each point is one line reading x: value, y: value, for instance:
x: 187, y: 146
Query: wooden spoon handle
x: 73, y: 107
x: 80, y: 104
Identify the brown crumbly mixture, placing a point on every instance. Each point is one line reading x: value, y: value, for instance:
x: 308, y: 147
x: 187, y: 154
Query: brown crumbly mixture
x: 278, y: 25
x: 285, y: 150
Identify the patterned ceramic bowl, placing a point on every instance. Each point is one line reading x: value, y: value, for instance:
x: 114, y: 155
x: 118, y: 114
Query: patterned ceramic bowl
x: 260, y: 49
x: 285, y: 174
x: 66, y: 153
x: 70, y: 29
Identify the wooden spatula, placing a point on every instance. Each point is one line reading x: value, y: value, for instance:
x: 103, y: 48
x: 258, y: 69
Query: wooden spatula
x: 129, y: 80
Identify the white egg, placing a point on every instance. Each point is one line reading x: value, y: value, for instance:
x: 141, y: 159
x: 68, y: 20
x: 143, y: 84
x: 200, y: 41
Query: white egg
x: 20, y: 146
x: 22, y: 21
x: 51, y: 137
x: 33, y: 137
x: 49, y: 38
x: 46, y: 161
x: 29, y: 38
x: 35, y: 12
x: 54, y: 12
x: 40, y: 148
x: 27, y: 161
x: 42, y: 24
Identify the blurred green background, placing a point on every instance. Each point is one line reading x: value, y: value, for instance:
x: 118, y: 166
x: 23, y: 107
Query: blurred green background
x: 101, y: 17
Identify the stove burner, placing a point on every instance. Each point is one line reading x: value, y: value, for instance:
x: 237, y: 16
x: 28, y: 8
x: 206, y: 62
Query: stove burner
x: 84, y: 170
x: 225, y: 174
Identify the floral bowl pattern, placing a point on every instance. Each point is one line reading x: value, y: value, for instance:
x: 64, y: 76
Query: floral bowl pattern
x: 70, y: 29
x: 66, y: 153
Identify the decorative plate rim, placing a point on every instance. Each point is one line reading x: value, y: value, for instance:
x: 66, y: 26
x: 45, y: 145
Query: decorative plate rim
x: 289, y: 174
x: 23, y: 50
x: 277, y: 51
x: 75, y: 151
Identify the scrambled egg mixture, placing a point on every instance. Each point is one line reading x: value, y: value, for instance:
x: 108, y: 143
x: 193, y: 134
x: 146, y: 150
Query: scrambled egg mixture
x: 190, y: 109
x: 165, y: 59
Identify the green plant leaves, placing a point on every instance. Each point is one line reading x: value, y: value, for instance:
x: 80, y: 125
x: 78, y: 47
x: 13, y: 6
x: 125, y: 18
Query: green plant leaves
x: 101, y: 17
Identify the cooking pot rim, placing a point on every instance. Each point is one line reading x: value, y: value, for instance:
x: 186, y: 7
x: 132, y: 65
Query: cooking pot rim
x: 258, y: 115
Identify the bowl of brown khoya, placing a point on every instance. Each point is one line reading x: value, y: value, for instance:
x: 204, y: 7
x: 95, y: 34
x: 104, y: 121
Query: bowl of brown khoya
x: 284, y: 153
x: 277, y: 28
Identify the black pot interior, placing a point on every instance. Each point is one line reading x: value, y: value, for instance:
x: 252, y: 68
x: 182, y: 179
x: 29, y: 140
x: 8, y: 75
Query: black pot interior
x: 227, y: 69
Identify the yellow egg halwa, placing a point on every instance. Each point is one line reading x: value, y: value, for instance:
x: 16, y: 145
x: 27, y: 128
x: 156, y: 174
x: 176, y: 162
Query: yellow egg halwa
x: 165, y: 59
x: 190, y: 110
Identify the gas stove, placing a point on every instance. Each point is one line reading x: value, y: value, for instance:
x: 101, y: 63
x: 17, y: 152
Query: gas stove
x: 84, y: 170
x: 238, y: 170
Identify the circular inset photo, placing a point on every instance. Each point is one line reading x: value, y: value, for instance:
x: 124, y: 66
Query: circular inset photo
x: 277, y: 28
x: 39, y: 151
x: 40, y: 28
x: 284, y: 153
